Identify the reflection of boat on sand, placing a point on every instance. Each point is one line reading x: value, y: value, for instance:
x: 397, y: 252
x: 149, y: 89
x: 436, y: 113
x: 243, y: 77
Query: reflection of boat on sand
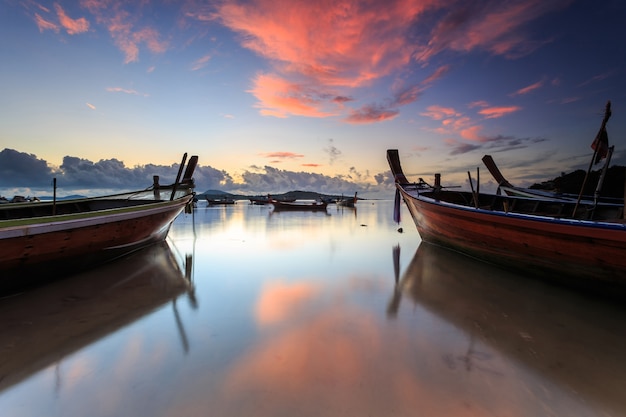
x: 46, y: 324
x: 570, y: 340
x: 283, y: 206
x: 44, y: 240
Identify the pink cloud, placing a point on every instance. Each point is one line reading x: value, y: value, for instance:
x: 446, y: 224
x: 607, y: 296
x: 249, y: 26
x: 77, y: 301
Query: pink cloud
x: 437, y: 112
x: 478, y: 103
x: 200, y: 63
x: 371, y: 114
x: 471, y: 133
x: 495, y: 112
x: 121, y: 24
x: 279, y: 97
x: 325, y: 49
x: 528, y: 89
x: 71, y: 26
x: 44, y: 24
x: 283, y: 155
x: 347, y: 45
x: 494, y: 26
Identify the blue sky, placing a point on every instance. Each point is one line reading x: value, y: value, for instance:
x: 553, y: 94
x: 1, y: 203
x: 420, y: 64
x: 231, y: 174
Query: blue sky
x: 280, y: 95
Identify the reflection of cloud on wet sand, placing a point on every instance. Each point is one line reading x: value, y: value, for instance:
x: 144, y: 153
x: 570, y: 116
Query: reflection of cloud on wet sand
x: 279, y: 300
x: 339, y: 359
x: 339, y: 363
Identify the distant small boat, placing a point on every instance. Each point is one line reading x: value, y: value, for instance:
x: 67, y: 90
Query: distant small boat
x: 347, y: 202
x: 219, y: 201
x: 49, y: 239
x: 261, y: 201
x: 284, y: 206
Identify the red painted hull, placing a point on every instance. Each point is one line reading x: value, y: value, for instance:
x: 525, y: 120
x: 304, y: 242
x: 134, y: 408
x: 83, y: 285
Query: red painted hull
x: 582, y: 253
x: 53, y: 248
x: 588, y: 250
x: 281, y: 206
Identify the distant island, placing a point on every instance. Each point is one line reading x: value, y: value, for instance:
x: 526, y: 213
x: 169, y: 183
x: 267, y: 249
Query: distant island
x: 290, y: 195
x: 613, y: 185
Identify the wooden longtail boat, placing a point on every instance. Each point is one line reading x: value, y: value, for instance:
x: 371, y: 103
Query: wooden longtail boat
x: 576, y: 244
x: 225, y: 201
x: 347, y: 202
x: 284, y: 206
x: 44, y: 240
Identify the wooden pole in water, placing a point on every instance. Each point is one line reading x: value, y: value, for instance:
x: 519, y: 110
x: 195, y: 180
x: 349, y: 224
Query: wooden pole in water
x: 472, y: 187
x: 54, y: 196
x: 477, y: 181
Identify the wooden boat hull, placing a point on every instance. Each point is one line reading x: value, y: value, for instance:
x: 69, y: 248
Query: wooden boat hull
x: 280, y: 206
x: 40, y: 241
x: 66, y: 243
x: 582, y: 253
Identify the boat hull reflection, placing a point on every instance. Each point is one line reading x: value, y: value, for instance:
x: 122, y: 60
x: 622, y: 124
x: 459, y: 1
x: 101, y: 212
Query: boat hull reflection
x: 569, y: 339
x: 42, y: 326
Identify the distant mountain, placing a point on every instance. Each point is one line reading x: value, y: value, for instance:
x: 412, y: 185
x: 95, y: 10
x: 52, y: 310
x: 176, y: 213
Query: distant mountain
x: 298, y: 195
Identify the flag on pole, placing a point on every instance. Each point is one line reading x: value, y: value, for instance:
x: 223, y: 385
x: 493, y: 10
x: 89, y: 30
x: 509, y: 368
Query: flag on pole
x: 601, y: 143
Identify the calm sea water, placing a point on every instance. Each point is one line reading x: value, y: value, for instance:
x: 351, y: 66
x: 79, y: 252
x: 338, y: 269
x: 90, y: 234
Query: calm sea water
x: 244, y: 312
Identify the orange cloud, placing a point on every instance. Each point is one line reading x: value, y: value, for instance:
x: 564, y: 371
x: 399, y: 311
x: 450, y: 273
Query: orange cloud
x: 495, y: 112
x: 311, y: 165
x: 91, y: 106
x: 71, y: 26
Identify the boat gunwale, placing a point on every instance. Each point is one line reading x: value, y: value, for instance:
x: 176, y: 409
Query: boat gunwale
x: 81, y: 218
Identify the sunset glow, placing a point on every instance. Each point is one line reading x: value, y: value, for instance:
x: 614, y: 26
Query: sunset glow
x: 258, y: 89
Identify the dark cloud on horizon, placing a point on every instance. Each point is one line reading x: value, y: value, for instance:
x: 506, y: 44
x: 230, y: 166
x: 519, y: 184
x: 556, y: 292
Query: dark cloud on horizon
x: 18, y: 169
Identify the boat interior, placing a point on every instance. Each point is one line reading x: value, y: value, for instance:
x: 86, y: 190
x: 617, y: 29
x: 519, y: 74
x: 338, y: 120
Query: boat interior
x: 525, y: 205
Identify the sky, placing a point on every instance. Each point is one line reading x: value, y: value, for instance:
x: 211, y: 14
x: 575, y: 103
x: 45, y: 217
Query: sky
x: 303, y: 94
